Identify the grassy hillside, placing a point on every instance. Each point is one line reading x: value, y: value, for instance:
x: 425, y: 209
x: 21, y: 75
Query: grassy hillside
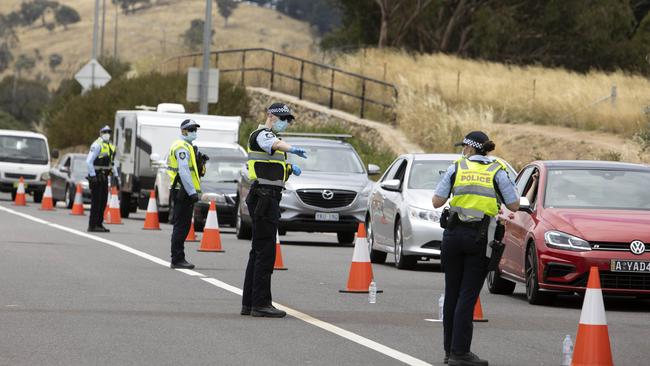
x: 152, y: 35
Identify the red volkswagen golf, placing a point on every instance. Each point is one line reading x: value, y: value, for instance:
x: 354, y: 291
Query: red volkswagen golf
x: 574, y: 215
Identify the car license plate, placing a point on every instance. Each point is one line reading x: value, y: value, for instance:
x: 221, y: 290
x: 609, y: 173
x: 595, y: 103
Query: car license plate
x: 327, y: 216
x: 619, y: 265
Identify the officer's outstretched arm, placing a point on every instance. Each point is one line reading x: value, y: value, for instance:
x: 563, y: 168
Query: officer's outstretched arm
x: 285, y: 147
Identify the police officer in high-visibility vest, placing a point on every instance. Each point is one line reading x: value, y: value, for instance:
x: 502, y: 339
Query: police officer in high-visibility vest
x: 478, y: 184
x: 100, y: 162
x: 185, y: 180
x: 268, y: 169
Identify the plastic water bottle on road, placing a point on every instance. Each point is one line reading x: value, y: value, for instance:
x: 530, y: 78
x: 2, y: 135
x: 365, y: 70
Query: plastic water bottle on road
x: 567, y: 351
x: 372, y: 292
x: 441, y: 306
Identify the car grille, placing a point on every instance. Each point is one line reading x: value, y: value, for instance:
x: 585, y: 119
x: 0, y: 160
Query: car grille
x: 622, y: 247
x: 314, y: 197
x: 17, y: 176
x: 623, y: 281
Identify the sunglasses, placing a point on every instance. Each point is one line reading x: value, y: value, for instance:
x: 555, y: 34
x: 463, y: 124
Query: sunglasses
x: 191, y: 129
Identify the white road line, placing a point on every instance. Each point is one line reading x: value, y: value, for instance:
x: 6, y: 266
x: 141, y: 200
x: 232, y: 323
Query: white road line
x: 378, y: 347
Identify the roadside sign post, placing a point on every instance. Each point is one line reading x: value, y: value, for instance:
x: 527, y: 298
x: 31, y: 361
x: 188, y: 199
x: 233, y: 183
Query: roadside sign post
x: 92, y: 75
x: 194, y: 85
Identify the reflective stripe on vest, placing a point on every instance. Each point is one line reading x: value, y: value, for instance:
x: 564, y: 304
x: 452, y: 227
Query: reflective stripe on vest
x: 264, y: 168
x: 104, y: 161
x: 172, y: 164
x: 473, y: 190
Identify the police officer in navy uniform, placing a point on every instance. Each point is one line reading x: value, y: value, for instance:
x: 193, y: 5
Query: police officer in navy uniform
x: 100, y: 162
x: 478, y: 184
x: 268, y: 169
x: 185, y: 180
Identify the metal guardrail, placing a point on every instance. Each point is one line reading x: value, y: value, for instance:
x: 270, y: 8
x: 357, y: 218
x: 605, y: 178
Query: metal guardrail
x: 332, y: 86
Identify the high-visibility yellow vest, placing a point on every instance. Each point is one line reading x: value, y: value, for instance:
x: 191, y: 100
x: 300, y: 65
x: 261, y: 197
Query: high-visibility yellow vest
x: 265, y: 168
x: 172, y: 163
x: 104, y: 161
x: 474, y: 190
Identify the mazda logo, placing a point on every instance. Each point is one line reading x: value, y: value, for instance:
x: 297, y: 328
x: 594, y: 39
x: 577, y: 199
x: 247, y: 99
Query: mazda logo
x: 637, y: 247
x: 327, y: 194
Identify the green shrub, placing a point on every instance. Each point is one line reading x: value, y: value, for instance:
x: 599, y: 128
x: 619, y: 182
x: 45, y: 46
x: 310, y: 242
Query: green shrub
x: 76, y: 119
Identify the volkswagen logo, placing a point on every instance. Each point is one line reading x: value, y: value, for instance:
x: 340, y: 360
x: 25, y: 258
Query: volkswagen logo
x: 637, y: 247
x: 327, y: 194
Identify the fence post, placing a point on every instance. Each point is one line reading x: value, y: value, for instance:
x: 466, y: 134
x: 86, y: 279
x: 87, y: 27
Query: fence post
x: 363, y: 97
x: 302, y: 72
x: 178, y: 66
x: 243, y: 66
x: 332, y: 91
x: 272, y: 69
x: 457, y: 84
x: 534, y: 88
x: 396, y: 94
x: 613, y: 96
x: 216, y: 60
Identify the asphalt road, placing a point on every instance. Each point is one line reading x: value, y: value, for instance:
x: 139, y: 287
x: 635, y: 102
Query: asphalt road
x: 71, y: 298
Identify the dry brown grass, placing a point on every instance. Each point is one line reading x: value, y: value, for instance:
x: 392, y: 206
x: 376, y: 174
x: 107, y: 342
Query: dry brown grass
x: 150, y: 36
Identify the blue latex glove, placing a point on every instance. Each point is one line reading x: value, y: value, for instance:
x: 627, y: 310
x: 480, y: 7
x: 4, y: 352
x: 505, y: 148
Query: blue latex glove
x: 296, y: 170
x: 298, y: 151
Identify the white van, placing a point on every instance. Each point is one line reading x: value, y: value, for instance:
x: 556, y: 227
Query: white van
x: 24, y: 154
x: 144, y: 136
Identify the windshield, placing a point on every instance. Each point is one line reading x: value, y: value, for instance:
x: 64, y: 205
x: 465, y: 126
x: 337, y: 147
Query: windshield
x: 218, y: 153
x: 27, y: 150
x: 598, y: 189
x: 223, y: 171
x: 426, y: 174
x: 328, y: 159
x: 79, y: 167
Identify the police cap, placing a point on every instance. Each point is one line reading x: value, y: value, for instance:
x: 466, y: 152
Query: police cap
x: 189, y: 123
x: 105, y: 129
x: 475, y: 139
x: 281, y: 110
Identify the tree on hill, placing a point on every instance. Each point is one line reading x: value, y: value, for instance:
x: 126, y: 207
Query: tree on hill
x: 226, y: 8
x: 193, y: 36
x: 8, y: 122
x: 131, y: 5
x: 66, y: 15
x: 31, y: 11
x: 321, y: 14
x: 23, y: 99
x: 55, y: 60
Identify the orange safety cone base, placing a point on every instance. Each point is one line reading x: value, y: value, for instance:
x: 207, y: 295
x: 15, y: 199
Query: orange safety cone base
x: 191, y: 235
x: 594, y: 338
x: 360, y: 275
x: 211, y: 240
x: 279, y: 263
x: 21, y: 199
x: 478, y: 312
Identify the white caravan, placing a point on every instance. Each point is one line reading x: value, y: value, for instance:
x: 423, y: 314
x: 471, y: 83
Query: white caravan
x: 142, y: 137
x: 24, y: 154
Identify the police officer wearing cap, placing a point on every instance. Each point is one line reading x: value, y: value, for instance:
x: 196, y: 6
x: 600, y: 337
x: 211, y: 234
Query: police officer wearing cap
x: 185, y: 180
x: 478, y: 184
x: 100, y: 162
x: 268, y: 169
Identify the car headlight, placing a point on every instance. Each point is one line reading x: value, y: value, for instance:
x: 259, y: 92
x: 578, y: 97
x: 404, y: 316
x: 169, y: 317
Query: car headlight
x: 217, y: 197
x: 422, y: 214
x: 45, y: 176
x: 560, y: 240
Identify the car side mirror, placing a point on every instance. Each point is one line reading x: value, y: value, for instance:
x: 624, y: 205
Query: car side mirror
x: 391, y: 185
x: 54, y: 154
x: 155, y: 160
x: 373, y: 169
x: 65, y: 169
x: 524, y: 204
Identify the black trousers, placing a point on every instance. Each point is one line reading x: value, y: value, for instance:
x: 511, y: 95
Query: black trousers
x: 264, y: 207
x: 99, y: 195
x: 183, y: 209
x: 465, y: 266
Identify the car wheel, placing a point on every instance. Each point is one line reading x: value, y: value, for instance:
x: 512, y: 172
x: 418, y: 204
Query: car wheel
x: 69, y: 197
x: 38, y: 197
x: 402, y: 261
x: 242, y: 229
x: 497, y: 285
x: 125, y: 204
x: 534, y: 295
x: 346, y: 237
x: 376, y: 256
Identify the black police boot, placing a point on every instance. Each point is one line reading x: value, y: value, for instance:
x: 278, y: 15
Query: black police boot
x: 95, y: 229
x: 467, y: 359
x: 182, y: 264
x: 267, y: 311
x: 104, y: 229
x: 245, y: 310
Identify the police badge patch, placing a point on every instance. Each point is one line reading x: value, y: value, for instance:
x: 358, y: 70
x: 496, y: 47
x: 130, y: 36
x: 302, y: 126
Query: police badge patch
x: 269, y: 135
x: 181, y: 155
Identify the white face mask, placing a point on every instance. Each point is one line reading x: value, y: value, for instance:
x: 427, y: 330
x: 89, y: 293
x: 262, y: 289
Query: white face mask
x: 106, y: 137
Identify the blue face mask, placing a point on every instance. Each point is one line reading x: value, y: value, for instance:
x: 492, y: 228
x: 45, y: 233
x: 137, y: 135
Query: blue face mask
x: 280, y: 125
x: 191, y: 136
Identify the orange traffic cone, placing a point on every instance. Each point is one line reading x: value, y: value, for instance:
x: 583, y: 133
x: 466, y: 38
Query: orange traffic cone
x: 592, y: 342
x: 478, y: 312
x: 107, y: 212
x: 47, y: 204
x: 114, y: 215
x: 191, y: 235
x: 78, y: 205
x: 279, y: 264
x: 360, y: 269
x: 211, y: 241
x: 20, y: 200
x: 151, y: 219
